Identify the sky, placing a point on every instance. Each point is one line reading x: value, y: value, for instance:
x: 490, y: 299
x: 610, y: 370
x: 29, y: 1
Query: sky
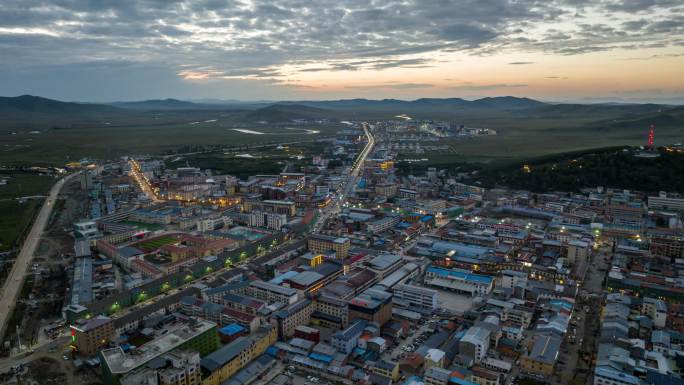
x: 555, y: 50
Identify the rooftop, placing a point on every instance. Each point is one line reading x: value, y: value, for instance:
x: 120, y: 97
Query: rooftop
x: 119, y: 362
x: 545, y: 349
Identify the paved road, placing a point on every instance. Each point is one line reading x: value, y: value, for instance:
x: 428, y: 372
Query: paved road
x: 15, y: 279
x: 348, y: 184
x: 142, y: 181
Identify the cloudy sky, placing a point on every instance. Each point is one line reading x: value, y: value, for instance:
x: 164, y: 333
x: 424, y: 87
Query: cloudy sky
x: 108, y: 50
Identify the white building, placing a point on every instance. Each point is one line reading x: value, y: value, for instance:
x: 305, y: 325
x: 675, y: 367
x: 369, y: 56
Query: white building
x: 415, y: 298
x: 663, y: 202
x: 475, y: 343
x: 512, y: 278
x: 275, y: 221
x: 656, y: 309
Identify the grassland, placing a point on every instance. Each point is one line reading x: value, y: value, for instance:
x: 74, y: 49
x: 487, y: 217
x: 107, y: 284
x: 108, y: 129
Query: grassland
x: 265, y: 160
x: 155, y: 243
x: 520, y: 139
x: 57, y: 146
x: 15, y: 215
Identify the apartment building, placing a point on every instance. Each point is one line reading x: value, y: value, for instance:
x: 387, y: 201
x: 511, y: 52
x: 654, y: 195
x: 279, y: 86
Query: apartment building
x: 89, y: 336
x: 372, y: 305
x: 287, y: 319
x: 542, y: 358
x: 475, y: 343
x: 345, y: 340
x: 180, y: 367
x: 330, y: 312
x: 665, y: 202
x: 271, y: 293
x: 228, y: 360
x: 415, y: 298
x: 458, y: 280
x: 319, y: 243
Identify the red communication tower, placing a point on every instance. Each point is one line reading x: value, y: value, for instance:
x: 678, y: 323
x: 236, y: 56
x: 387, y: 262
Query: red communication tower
x: 651, y: 136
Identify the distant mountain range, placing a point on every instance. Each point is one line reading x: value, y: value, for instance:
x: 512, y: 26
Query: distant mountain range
x: 27, y: 104
x: 28, y: 109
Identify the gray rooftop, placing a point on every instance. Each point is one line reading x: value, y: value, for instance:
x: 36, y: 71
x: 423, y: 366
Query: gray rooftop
x: 545, y: 349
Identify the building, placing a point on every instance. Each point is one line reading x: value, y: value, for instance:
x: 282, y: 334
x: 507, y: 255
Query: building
x: 387, y: 369
x: 542, y: 358
x: 223, y: 363
x: 308, y: 333
x: 435, y: 357
x: 372, y: 305
x: 663, y: 202
x: 271, y: 293
x: 345, y: 340
x: 383, y: 224
x: 511, y: 278
x: 180, y: 367
x: 415, y: 298
x: 86, y: 230
x: 220, y: 314
x: 437, y: 376
x: 475, y: 343
x: 458, y: 280
x: 330, y: 312
x: 275, y: 221
x: 319, y: 243
x: 193, y: 334
x: 577, y: 251
x: 271, y: 206
x: 656, y: 309
x: 287, y: 319
x: 89, y: 336
x: 482, y: 376
x: 605, y: 375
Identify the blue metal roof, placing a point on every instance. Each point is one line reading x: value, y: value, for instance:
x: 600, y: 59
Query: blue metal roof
x: 320, y: 357
x: 231, y: 329
x: 459, y: 274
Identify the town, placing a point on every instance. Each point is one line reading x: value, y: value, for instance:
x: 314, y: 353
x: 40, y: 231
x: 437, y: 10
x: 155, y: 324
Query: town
x: 352, y: 273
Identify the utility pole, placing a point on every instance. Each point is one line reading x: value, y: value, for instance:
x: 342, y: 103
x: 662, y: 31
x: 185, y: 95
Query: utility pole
x: 18, y: 337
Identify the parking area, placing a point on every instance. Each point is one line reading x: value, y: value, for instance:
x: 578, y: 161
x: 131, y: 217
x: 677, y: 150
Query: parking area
x: 455, y: 303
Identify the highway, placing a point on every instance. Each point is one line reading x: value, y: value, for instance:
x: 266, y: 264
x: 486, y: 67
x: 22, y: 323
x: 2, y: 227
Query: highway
x: 15, y: 279
x: 348, y: 183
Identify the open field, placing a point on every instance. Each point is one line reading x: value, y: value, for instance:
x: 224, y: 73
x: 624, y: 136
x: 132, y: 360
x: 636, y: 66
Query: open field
x: 57, y: 146
x: 243, y: 162
x: 155, y: 243
x: 16, y: 215
x: 520, y: 140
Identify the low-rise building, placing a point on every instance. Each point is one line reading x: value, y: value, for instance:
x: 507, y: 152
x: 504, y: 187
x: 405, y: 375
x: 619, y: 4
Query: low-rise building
x: 220, y: 365
x: 542, y: 358
x: 89, y: 336
x: 193, y: 334
x: 287, y: 319
x: 371, y: 305
x: 319, y: 243
x: 415, y: 298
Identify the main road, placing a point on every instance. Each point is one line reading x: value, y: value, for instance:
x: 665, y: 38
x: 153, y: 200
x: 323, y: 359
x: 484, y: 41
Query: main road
x: 349, y: 182
x: 15, y: 279
x: 142, y: 181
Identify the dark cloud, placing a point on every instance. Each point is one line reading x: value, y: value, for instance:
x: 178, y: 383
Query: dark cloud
x: 256, y: 39
x: 518, y: 63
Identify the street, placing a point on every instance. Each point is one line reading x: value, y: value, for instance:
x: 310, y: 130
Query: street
x: 348, y: 183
